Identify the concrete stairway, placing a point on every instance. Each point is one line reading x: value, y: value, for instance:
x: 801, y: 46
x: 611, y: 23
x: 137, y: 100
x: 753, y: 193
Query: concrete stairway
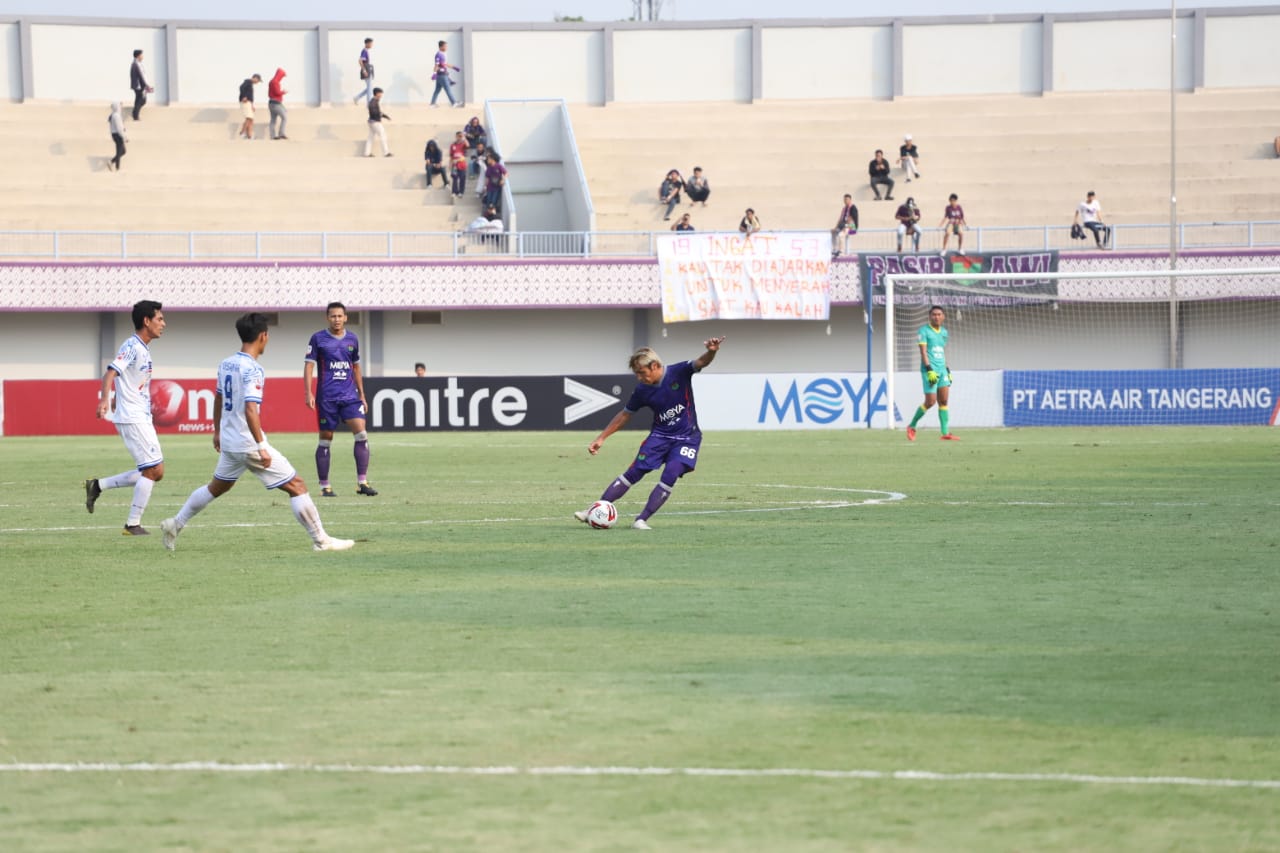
x: 1012, y: 161
x: 186, y: 170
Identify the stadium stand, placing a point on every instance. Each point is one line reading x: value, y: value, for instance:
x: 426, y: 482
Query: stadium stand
x: 1013, y: 161
x: 186, y: 171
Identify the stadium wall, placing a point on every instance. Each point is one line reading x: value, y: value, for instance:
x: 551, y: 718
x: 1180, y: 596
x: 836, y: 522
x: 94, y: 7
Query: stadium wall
x: 63, y: 321
x: 202, y: 62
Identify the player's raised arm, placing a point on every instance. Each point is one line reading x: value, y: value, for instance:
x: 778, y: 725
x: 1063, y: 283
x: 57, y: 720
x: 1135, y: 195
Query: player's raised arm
x: 713, y: 347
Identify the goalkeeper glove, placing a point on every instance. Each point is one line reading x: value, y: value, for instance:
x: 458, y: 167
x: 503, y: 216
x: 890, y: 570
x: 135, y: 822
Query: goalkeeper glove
x: 932, y: 376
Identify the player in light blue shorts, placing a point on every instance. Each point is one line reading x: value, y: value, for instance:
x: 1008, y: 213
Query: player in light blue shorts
x: 242, y: 445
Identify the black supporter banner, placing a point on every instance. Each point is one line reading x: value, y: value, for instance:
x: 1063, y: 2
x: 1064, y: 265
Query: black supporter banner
x: 873, y: 267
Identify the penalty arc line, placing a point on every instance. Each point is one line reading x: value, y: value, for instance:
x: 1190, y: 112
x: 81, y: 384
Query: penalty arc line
x: 576, y: 771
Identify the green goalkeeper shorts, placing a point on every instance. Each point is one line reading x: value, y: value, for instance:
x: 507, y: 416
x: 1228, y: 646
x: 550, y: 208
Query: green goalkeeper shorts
x: 944, y: 381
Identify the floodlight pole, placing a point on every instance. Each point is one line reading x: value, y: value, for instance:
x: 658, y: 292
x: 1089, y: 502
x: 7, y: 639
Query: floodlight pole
x: 1173, y: 183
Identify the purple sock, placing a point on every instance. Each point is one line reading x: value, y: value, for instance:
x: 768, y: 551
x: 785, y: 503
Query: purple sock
x: 657, y: 498
x: 322, y: 464
x: 616, y: 489
x: 362, y: 460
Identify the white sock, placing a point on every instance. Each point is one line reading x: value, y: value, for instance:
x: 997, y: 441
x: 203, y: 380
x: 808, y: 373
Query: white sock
x: 141, y: 494
x: 120, y: 481
x: 198, y: 500
x: 304, y: 509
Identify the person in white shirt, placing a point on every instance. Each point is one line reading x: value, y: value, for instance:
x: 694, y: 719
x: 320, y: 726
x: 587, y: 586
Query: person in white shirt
x: 242, y: 445
x: 1089, y: 215
x: 129, y: 375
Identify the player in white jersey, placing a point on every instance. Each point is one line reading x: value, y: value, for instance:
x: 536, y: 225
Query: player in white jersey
x: 242, y: 445
x: 129, y: 374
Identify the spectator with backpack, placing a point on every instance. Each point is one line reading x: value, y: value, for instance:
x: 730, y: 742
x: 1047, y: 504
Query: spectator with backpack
x: 1089, y: 215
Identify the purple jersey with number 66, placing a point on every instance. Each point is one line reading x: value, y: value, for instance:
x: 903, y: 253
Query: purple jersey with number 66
x: 674, y: 414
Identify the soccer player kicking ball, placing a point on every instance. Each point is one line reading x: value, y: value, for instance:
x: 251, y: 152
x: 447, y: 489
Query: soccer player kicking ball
x: 673, y: 442
x: 242, y: 445
x: 934, y: 373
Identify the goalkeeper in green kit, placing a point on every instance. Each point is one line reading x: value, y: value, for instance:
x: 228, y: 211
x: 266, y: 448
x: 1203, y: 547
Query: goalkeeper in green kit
x: 934, y: 373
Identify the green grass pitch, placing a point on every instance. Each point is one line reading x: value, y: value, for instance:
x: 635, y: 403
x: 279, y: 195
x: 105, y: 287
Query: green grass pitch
x: 1096, y: 612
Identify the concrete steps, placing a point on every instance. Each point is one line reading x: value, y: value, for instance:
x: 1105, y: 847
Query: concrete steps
x: 1013, y: 161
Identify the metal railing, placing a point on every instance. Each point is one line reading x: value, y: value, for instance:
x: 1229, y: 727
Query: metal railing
x: 216, y: 246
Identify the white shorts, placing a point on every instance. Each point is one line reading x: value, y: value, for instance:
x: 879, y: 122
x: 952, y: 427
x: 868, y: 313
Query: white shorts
x: 142, y: 443
x: 246, y: 109
x: 232, y: 465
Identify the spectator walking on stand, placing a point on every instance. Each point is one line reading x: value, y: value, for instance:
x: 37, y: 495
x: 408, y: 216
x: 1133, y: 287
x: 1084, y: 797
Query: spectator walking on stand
x: 908, y: 216
x: 275, y: 105
x: 675, y: 438
x: 376, y: 131
x: 1089, y: 215
x: 697, y: 188
x: 242, y: 444
x: 669, y: 192
x: 129, y: 407
x: 846, y: 226
x: 909, y: 158
x: 366, y: 72
x: 878, y: 169
x: 246, y: 105
x: 953, y: 223
x: 750, y: 223
x: 441, y: 76
x: 115, y: 124
x: 333, y: 357
x: 139, y: 83
x: 433, y: 159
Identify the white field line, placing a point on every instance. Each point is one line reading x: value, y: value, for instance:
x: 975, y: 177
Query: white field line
x: 716, y: 772
x: 848, y: 498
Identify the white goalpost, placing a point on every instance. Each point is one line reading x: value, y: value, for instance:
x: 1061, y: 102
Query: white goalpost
x: 1141, y: 347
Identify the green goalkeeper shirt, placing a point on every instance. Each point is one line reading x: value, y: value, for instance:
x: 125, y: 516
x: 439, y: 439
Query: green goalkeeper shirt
x: 935, y: 344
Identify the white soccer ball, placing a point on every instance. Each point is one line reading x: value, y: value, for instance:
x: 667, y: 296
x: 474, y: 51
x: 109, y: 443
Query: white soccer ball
x: 602, y: 515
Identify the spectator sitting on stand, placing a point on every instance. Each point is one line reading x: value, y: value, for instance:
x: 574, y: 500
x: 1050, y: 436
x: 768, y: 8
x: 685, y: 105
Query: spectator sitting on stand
x: 434, y: 159
x: 697, y: 188
x: 909, y: 157
x: 669, y: 192
x: 474, y: 131
x: 683, y: 224
x: 879, y: 171
x: 908, y: 216
x: 846, y: 226
x: 750, y: 223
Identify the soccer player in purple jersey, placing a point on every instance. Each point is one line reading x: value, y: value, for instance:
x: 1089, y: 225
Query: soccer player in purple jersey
x: 674, y: 440
x: 338, y: 396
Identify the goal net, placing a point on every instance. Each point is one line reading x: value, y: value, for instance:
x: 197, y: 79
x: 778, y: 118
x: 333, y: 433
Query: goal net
x: 1096, y: 348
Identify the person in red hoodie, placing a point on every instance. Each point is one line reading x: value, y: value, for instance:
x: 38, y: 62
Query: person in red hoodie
x: 275, y: 103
